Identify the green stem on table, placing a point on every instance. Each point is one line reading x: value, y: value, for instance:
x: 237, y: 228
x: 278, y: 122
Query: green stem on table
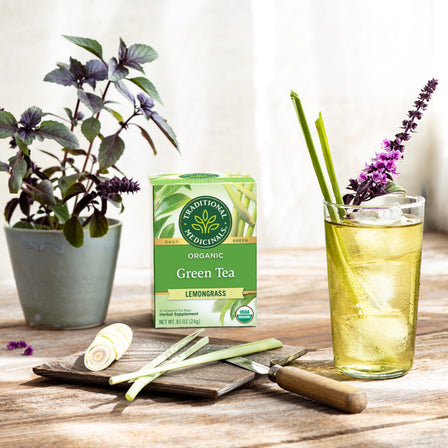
x: 140, y: 383
x: 219, y: 355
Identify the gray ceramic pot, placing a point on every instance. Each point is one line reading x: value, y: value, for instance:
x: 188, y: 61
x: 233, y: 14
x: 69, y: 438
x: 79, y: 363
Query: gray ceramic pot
x: 62, y: 287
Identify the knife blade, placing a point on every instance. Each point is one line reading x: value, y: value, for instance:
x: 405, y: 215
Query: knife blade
x: 310, y: 385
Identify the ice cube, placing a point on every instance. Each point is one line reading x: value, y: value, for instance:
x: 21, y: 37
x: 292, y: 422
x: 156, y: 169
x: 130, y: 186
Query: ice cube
x: 378, y: 217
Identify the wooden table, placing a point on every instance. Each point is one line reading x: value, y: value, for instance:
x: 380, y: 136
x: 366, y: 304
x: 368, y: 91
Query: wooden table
x: 410, y: 411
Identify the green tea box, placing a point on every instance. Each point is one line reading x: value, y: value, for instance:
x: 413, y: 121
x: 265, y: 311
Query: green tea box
x: 205, y: 250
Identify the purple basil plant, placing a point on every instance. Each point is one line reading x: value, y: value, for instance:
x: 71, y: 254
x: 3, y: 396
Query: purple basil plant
x: 74, y: 190
x: 378, y: 177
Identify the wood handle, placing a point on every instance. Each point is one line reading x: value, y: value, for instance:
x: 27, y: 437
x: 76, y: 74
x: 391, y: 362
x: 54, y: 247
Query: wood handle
x: 324, y: 390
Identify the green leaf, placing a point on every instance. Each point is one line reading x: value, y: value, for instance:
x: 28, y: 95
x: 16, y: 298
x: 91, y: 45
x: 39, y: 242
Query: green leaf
x: 8, y: 124
x: 110, y: 150
x: 158, y: 224
x: 168, y: 231
x: 140, y: 54
x: 147, y: 86
x: 64, y: 182
x: 92, y: 101
x: 90, y: 45
x: 115, y: 114
x: 73, y: 232
x: 172, y: 203
x: 74, y: 190
x: 58, y: 132
x: 99, y: 225
x: 90, y: 128
x: 4, y: 166
x: 18, y: 171
x: 61, y: 212
x: 43, y: 193
x: 9, y: 209
x: 22, y: 145
x: 392, y: 187
x: 165, y: 128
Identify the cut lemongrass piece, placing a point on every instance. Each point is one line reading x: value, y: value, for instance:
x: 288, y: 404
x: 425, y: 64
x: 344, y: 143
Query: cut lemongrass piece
x: 100, y: 354
x: 141, y: 382
x: 109, y: 344
x: 231, y: 352
x: 170, y: 351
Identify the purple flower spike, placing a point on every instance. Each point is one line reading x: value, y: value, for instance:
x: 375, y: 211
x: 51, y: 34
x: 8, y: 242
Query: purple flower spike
x: 379, y: 175
x: 21, y: 344
x: 28, y: 351
x: 12, y: 345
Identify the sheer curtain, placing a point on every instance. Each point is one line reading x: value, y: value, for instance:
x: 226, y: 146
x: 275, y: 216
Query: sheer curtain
x: 225, y: 71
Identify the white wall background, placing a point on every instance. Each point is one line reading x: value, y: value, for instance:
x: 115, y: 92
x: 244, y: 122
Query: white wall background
x: 225, y: 71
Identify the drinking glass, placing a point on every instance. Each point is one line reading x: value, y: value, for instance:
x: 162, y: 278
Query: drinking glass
x: 373, y: 261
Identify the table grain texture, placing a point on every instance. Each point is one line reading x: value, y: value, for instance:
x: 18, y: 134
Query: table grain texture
x: 410, y: 411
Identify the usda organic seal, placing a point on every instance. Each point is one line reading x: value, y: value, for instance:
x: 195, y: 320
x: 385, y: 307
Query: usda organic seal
x: 205, y: 222
x: 244, y: 314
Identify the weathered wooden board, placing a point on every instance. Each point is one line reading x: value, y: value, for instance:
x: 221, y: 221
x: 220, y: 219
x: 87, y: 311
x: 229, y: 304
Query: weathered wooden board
x: 210, y: 380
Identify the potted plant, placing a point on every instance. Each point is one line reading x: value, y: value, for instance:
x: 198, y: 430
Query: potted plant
x: 64, y: 247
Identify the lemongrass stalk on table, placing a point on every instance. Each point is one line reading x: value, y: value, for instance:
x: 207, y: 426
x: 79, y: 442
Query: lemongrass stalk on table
x: 141, y: 382
x: 231, y: 352
x: 170, y: 351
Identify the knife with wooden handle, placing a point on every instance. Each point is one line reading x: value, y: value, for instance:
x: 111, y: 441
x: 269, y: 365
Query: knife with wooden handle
x: 319, y: 388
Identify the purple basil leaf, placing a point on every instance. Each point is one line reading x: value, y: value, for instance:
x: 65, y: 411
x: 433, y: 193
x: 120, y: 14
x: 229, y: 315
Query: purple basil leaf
x: 9, y: 209
x: 8, y: 124
x: 31, y: 117
x: 146, y: 105
x: 116, y: 71
x: 110, y: 150
x: 122, y: 51
x: 58, y: 132
x: 95, y: 71
x: 92, y: 101
x: 43, y: 193
x: 165, y: 128
x: 123, y: 89
x: 61, y: 76
x: 18, y: 171
x: 77, y: 69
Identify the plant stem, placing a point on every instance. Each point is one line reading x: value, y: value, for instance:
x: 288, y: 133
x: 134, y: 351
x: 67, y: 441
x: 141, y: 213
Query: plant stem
x: 72, y: 126
x: 327, y: 157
